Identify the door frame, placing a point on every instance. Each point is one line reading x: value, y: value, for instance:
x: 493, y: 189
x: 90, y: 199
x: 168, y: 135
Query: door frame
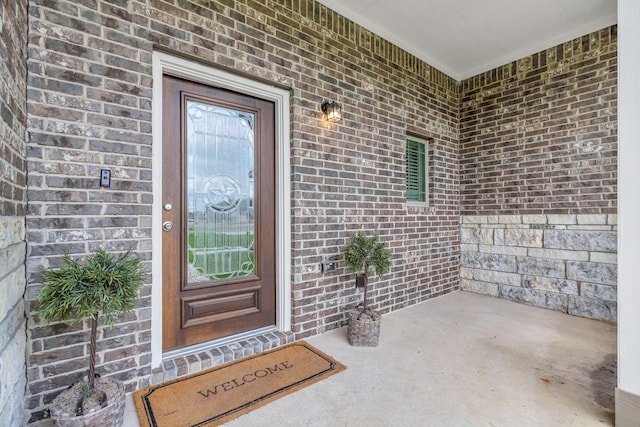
x: 168, y: 64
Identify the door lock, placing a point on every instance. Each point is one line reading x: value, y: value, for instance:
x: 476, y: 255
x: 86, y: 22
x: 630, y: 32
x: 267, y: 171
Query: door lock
x: 167, y: 206
x: 167, y: 226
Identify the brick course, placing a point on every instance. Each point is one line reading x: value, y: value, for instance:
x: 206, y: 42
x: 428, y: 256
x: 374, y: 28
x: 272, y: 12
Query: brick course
x: 13, y: 36
x: 89, y: 102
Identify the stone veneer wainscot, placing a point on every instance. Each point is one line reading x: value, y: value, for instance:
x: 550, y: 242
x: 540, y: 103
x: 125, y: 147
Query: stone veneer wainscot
x: 562, y: 262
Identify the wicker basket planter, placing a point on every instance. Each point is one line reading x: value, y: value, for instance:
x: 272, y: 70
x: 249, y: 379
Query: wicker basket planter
x: 365, y: 331
x: 111, y: 415
x: 365, y: 256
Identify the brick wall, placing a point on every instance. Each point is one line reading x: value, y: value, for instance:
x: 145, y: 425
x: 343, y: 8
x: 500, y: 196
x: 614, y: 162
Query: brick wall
x: 13, y: 36
x: 538, y: 164
x: 89, y: 103
x: 539, y: 135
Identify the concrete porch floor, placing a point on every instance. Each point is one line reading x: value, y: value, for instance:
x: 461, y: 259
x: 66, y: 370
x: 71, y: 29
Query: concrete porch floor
x: 459, y: 360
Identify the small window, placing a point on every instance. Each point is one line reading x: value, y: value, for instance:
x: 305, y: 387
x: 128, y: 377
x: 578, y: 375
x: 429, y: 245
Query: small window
x: 417, y: 172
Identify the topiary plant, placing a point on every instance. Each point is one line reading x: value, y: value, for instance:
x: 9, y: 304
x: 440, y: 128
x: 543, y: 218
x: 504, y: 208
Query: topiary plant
x: 366, y: 255
x: 104, y: 283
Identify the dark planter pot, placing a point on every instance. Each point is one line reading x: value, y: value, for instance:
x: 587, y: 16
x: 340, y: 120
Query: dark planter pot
x: 365, y: 331
x: 111, y: 415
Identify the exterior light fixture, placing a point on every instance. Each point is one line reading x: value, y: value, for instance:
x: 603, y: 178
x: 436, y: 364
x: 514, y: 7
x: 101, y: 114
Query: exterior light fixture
x: 332, y: 110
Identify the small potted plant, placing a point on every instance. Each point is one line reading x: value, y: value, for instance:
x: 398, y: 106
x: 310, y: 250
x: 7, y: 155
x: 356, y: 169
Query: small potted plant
x: 364, y: 256
x: 104, y: 284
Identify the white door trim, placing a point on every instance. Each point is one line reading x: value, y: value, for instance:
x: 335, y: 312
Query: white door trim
x: 194, y: 71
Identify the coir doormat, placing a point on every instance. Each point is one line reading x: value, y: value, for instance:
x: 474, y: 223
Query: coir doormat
x: 216, y: 395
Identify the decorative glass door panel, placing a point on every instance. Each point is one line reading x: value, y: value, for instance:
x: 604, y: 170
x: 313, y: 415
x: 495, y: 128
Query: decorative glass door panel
x: 218, y: 189
x: 220, y: 192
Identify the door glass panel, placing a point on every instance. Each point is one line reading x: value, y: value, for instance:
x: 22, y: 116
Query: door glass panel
x: 220, y: 192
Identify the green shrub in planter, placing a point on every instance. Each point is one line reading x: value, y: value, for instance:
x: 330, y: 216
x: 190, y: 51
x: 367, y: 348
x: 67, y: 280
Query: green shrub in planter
x: 104, y: 283
x: 364, y: 256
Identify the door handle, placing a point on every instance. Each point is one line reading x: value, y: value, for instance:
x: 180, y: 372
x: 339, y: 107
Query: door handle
x: 167, y: 226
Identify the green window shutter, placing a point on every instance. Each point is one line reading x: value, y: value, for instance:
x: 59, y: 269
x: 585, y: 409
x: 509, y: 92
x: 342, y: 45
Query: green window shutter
x: 416, y: 179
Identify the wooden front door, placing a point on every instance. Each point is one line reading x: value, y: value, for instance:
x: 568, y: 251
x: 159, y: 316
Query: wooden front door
x: 218, y: 184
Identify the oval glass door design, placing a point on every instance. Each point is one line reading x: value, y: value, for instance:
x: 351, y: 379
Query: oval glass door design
x: 219, y: 179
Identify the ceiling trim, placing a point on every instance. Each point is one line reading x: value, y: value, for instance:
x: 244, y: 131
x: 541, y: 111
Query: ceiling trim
x: 587, y: 28
x: 596, y: 24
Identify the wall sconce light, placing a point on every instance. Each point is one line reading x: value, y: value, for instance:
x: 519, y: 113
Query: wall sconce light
x: 333, y: 110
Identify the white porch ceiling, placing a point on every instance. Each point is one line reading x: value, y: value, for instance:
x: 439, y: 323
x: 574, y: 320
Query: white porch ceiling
x: 463, y: 38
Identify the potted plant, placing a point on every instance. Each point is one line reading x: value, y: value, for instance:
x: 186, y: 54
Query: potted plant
x: 363, y: 256
x: 104, y: 284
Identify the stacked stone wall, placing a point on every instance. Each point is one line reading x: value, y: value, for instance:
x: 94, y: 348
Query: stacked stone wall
x: 13, y: 39
x: 561, y: 262
x: 90, y: 107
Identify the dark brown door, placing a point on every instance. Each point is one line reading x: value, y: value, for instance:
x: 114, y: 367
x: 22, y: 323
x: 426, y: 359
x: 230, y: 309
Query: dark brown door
x: 218, y: 181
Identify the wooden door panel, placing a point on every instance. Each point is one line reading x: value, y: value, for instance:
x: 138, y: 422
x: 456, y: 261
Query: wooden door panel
x: 219, y: 178
x: 197, y: 310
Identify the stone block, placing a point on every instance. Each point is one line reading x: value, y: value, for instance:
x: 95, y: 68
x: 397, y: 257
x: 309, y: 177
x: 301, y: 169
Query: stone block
x: 593, y: 308
x: 12, y: 288
x: 498, y: 237
x: 606, y: 257
x: 499, y: 277
x: 510, y: 219
x: 562, y: 286
x: 544, y: 267
x: 562, y: 219
x: 476, y: 235
x: 479, y: 287
x: 523, y: 237
x: 534, y: 219
x: 593, y: 272
x: 538, y: 298
x: 612, y: 219
x: 559, y: 254
x: 602, y: 292
x: 600, y: 241
x: 11, y: 257
x: 592, y: 219
x: 474, y: 219
x: 488, y: 261
x: 12, y: 231
x: 466, y: 273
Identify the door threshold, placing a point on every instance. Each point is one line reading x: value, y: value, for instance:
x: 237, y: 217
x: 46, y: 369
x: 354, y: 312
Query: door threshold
x: 194, y: 358
x: 196, y: 348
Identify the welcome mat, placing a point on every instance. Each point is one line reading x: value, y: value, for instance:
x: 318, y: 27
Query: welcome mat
x: 216, y: 395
